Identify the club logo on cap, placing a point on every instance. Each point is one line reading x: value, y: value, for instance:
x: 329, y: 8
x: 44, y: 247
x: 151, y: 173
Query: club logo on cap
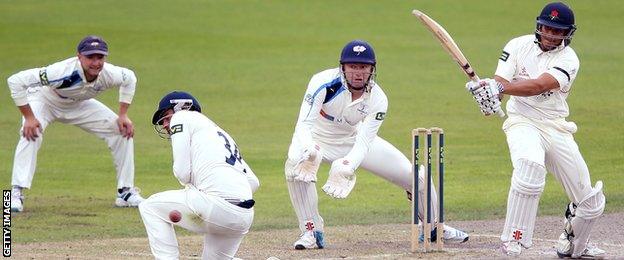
x: 359, y: 49
x: 554, y: 14
x: 94, y: 44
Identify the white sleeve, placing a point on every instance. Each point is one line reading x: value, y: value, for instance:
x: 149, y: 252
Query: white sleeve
x: 21, y: 81
x: 564, y: 71
x: 128, y: 86
x: 309, y: 113
x: 181, y: 145
x: 506, y: 63
x: 367, y: 131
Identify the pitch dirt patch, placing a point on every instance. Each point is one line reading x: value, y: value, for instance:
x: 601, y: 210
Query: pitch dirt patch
x: 345, y: 242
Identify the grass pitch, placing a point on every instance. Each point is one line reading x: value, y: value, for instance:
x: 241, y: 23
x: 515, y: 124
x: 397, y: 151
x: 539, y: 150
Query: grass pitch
x: 249, y: 62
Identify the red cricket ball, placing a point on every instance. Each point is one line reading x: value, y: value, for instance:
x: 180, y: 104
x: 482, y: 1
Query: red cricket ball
x: 175, y: 216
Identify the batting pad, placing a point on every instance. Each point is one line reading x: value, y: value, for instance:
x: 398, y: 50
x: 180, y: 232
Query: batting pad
x: 590, y: 208
x: 527, y: 184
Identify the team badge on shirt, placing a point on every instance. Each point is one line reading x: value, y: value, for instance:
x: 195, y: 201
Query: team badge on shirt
x: 363, y: 109
x: 380, y: 116
x: 308, y: 99
x: 176, y: 129
x: 544, y: 96
x: 43, y: 77
x: 504, y: 56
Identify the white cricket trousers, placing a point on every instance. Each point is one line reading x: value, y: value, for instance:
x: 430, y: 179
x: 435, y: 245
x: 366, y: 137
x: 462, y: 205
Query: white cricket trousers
x: 550, y: 143
x: 90, y: 115
x: 382, y: 159
x: 223, y: 224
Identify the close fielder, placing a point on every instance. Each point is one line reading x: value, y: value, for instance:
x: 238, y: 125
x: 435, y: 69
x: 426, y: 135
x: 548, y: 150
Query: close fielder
x: 338, y: 122
x: 537, y: 72
x: 217, y: 199
x: 65, y: 92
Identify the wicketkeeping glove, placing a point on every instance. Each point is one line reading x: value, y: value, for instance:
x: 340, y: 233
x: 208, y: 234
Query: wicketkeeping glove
x: 341, y: 179
x: 309, y: 163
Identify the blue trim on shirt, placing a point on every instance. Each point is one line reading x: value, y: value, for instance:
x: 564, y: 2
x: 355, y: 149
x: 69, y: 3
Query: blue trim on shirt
x: 332, y: 84
x: 68, y: 81
x: 333, y: 89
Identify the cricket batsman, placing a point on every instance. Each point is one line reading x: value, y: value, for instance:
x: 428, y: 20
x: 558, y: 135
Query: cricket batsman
x: 537, y: 72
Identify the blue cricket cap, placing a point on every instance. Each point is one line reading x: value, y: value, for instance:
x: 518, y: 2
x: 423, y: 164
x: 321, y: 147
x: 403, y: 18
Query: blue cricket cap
x: 93, y: 45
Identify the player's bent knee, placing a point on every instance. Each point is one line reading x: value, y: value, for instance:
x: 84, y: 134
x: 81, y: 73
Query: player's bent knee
x: 146, y: 206
x: 592, y: 206
x: 529, y: 178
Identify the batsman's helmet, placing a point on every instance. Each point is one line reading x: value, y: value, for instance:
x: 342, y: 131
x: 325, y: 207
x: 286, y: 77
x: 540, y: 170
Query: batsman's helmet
x: 176, y: 100
x: 358, y: 51
x: 557, y: 15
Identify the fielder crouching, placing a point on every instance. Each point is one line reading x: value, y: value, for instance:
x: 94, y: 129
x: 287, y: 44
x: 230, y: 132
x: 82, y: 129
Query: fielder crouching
x: 65, y: 92
x: 217, y: 199
x: 341, y: 113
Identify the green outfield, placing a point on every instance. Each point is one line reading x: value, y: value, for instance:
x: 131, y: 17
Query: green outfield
x: 248, y: 63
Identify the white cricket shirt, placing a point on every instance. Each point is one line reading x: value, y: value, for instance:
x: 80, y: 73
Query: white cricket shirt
x: 67, y: 80
x: 330, y: 115
x: 522, y: 59
x: 205, y: 156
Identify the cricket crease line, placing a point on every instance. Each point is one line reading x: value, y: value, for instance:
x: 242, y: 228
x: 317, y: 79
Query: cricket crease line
x: 546, y: 240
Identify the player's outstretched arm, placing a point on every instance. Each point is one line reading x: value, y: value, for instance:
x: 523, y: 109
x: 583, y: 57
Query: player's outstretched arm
x: 123, y: 121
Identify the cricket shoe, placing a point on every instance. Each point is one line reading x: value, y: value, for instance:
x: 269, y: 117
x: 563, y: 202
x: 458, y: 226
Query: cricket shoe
x: 450, y: 235
x: 565, y: 248
x: 511, y: 248
x: 310, y: 240
x: 17, y: 199
x: 590, y: 252
x: 128, y: 197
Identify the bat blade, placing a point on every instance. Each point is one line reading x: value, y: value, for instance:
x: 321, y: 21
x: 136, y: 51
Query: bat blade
x: 447, y: 43
x: 450, y: 47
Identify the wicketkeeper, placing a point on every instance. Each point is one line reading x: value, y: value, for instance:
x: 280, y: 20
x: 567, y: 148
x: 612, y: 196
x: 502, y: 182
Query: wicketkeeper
x: 341, y: 113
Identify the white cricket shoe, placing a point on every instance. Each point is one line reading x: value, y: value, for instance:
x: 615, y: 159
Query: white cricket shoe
x: 310, y: 240
x: 565, y: 248
x: 451, y: 235
x: 129, y: 197
x: 17, y: 199
x: 594, y: 252
x: 511, y: 248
